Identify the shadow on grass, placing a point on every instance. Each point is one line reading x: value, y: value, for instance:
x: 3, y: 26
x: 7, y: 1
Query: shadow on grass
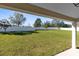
x: 77, y: 47
x: 18, y: 33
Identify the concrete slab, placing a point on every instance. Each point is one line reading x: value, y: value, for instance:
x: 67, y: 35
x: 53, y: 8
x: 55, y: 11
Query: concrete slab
x: 70, y: 52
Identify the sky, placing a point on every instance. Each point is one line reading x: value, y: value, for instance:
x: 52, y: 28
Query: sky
x: 30, y: 19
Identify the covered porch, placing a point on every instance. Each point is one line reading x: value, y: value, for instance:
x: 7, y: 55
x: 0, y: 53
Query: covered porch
x: 61, y: 11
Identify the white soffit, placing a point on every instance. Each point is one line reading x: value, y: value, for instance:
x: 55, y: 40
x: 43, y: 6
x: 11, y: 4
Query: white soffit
x: 64, y: 8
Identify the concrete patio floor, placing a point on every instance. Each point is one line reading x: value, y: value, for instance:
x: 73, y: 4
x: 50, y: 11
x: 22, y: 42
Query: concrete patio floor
x: 70, y: 52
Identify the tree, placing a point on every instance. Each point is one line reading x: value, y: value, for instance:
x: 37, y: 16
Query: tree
x: 4, y: 23
x: 17, y: 19
x: 38, y: 23
x: 53, y: 23
x: 67, y: 25
x: 46, y: 24
x: 60, y: 23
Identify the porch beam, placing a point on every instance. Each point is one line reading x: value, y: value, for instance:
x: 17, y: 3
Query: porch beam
x: 30, y: 8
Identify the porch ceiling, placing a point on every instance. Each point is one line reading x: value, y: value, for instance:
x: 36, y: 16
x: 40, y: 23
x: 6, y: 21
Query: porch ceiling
x: 63, y: 11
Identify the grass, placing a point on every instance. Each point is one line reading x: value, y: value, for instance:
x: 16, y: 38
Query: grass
x: 39, y: 43
x: 77, y: 42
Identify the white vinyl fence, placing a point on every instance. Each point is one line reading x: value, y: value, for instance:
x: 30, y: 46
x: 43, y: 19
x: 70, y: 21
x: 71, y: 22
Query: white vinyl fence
x: 29, y: 28
x: 66, y: 29
x: 20, y: 28
x: 69, y: 29
x: 49, y: 28
x: 55, y: 28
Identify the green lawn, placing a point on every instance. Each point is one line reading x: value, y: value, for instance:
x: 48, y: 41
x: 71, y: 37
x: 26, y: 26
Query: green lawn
x: 77, y: 40
x: 39, y: 43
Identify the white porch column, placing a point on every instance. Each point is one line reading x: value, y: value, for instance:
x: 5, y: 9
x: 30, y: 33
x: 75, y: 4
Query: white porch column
x: 74, y: 34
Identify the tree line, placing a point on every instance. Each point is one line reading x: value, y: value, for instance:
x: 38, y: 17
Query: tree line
x: 53, y: 23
